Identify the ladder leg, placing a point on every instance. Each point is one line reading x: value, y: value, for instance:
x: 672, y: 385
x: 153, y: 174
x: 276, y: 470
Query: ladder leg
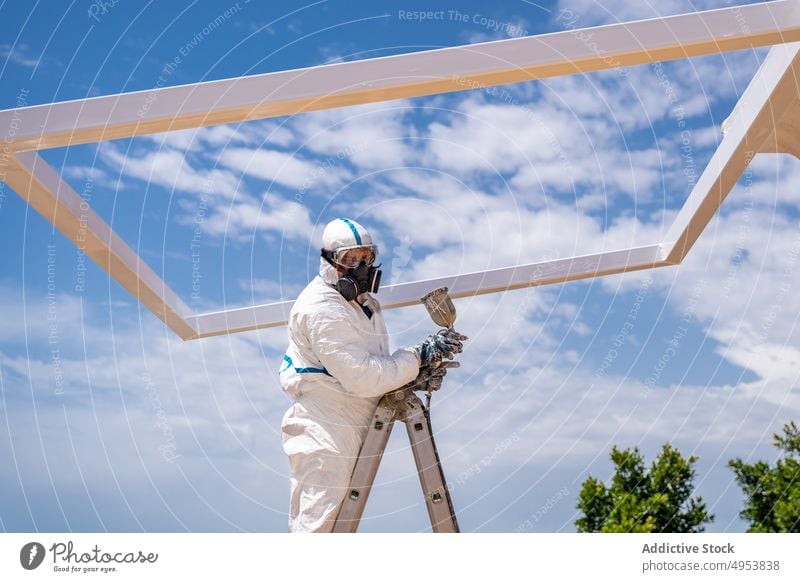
x: 366, y: 467
x: 429, y: 467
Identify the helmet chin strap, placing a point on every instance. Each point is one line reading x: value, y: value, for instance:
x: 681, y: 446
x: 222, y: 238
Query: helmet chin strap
x: 340, y: 269
x: 328, y: 256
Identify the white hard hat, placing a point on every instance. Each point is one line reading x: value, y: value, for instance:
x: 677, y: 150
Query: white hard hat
x: 340, y: 236
x: 343, y: 232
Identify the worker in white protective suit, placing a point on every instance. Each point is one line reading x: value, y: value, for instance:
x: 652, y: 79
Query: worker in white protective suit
x: 337, y: 367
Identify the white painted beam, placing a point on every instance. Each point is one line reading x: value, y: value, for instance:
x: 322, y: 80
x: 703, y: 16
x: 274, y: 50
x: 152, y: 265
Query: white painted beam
x: 44, y: 190
x: 408, y: 75
x: 787, y: 137
x: 770, y: 97
x: 468, y: 285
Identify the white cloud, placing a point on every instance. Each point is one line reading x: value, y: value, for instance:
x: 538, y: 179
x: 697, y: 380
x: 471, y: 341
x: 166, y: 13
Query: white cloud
x: 20, y: 55
x: 171, y: 169
x: 35, y: 328
x: 541, y: 146
x: 285, y: 168
x: 221, y: 136
x: 246, y: 217
x: 367, y: 136
x: 467, y: 230
x: 191, y: 429
x: 746, y: 262
x: 476, y: 135
x: 183, y: 140
x: 93, y: 175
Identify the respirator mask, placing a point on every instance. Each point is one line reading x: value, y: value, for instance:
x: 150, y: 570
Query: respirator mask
x: 362, y: 276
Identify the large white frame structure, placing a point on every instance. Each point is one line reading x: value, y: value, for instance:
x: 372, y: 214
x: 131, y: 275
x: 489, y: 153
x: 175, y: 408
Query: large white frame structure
x: 766, y: 120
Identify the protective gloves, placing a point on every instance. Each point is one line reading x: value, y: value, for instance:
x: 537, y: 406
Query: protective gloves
x: 442, y: 345
x: 430, y: 379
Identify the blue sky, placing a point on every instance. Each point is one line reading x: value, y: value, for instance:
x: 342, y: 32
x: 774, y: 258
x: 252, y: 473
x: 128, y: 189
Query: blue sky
x: 110, y: 422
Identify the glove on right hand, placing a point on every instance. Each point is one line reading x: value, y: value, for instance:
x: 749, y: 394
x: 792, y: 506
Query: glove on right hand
x: 430, y: 379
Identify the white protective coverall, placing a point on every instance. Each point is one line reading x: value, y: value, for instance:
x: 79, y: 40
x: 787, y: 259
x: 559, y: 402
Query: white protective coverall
x: 336, y: 368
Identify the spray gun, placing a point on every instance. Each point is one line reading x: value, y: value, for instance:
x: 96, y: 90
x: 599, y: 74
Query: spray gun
x: 443, y: 313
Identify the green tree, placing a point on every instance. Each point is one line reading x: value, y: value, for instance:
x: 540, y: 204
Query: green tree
x: 772, y: 501
x: 638, y: 500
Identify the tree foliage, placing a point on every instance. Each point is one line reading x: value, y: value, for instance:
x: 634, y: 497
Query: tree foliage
x: 638, y: 500
x: 772, y: 501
